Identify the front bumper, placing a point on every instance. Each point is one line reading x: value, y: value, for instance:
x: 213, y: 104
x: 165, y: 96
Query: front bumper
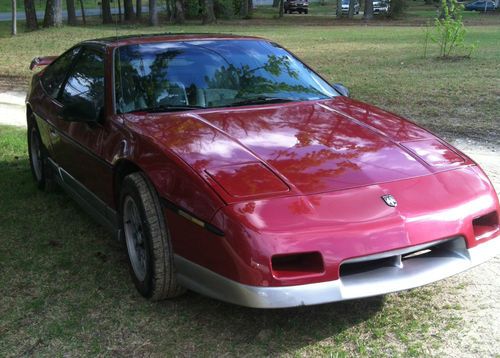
x: 450, y: 257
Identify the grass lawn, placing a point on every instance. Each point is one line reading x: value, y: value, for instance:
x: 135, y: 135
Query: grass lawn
x: 65, y: 287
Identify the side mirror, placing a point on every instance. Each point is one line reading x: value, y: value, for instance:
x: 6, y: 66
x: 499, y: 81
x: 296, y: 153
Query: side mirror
x: 79, y: 109
x: 340, y: 88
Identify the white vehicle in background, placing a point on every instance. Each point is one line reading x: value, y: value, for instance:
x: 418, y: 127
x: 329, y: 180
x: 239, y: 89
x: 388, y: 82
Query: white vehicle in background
x: 345, y: 7
x: 380, y: 6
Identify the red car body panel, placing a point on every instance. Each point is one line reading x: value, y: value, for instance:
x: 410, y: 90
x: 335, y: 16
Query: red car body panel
x: 320, y: 206
x: 301, y: 177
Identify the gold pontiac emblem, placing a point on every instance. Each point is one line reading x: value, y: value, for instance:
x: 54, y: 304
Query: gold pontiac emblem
x: 390, y: 200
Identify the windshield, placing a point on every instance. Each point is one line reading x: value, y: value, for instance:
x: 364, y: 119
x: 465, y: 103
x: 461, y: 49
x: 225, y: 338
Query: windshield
x: 205, y: 74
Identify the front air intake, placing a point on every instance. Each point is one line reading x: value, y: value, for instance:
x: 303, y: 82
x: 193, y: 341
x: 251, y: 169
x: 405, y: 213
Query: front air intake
x: 486, y: 225
x: 297, y: 264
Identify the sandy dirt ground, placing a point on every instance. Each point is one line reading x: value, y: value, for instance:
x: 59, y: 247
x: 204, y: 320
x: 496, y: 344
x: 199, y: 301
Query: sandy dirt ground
x: 479, y: 298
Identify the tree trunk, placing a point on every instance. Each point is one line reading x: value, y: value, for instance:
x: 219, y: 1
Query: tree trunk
x: 397, y: 8
x: 70, y: 6
x: 350, y: 14
x: 30, y: 11
x: 244, y: 9
x: 84, y: 20
x: 14, y: 18
x: 208, y: 12
x: 282, y: 8
x: 138, y: 9
x: 107, y: 18
x: 53, y: 13
x: 368, y: 13
x: 129, y: 10
x: 120, y: 17
x: 169, y: 12
x: 250, y: 8
x: 153, y: 13
x: 276, y: 3
x: 179, y: 12
x: 339, y: 9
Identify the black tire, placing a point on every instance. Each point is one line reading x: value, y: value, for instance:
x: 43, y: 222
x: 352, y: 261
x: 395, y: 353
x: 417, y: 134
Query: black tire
x: 147, y: 239
x: 306, y: 12
x: 40, y: 168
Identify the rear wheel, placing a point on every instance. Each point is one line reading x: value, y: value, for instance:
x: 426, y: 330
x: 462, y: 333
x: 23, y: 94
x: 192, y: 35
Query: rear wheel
x: 40, y: 168
x: 147, y: 239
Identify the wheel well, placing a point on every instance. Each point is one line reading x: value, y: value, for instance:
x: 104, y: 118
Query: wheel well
x: 123, y: 168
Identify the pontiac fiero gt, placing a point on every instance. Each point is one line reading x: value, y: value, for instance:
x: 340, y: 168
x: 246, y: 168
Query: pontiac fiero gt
x: 230, y: 168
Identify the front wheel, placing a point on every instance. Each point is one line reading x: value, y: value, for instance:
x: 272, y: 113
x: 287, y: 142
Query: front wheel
x: 147, y: 239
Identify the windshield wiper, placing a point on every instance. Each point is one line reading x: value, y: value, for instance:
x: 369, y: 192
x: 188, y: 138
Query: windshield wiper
x: 261, y: 100
x: 165, y: 108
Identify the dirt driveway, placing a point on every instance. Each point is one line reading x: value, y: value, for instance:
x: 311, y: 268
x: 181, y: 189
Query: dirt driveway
x: 478, y: 294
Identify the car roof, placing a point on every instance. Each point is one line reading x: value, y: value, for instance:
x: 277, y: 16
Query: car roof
x: 117, y: 41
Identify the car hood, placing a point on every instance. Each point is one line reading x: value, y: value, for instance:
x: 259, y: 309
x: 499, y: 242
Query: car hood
x: 297, y: 148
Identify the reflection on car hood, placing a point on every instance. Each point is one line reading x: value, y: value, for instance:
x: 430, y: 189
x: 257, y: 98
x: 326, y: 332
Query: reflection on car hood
x: 313, y: 147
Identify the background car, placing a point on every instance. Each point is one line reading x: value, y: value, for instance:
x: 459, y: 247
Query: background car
x: 345, y: 7
x: 229, y: 167
x: 300, y: 6
x: 481, y: 5
x: 380, y: 7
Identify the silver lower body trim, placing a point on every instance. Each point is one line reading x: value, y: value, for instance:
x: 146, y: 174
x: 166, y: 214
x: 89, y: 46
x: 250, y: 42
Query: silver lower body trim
x: 418, y: 271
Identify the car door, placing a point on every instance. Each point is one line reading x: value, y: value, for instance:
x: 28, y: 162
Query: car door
x: 77, y: 144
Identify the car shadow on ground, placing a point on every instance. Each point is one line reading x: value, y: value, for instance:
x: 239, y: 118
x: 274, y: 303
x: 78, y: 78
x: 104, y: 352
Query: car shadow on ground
x: 276, y: 330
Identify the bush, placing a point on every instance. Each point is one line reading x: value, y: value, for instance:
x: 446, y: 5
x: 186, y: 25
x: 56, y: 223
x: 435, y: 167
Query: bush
x: 450, y: 30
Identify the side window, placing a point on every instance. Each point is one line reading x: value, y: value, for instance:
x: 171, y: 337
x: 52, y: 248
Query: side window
x: 54, y: 75
x: 87, y: 79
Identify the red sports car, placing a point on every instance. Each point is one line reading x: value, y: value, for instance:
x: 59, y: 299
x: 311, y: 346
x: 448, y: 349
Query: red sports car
x: 232, y: 169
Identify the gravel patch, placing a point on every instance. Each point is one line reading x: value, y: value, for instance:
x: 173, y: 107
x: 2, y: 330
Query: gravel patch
x: 12, y: 109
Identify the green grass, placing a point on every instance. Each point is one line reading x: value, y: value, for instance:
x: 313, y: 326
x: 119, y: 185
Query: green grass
x: 65, y: 290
